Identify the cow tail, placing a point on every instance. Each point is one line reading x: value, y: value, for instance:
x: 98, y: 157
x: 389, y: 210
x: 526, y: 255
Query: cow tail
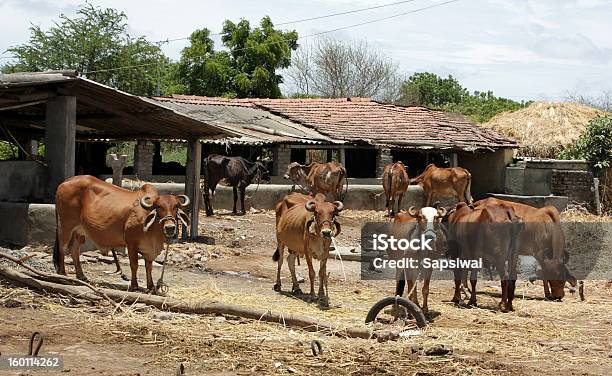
x: 468, y: 189
x: 56, y: 250
x: 276, y: 255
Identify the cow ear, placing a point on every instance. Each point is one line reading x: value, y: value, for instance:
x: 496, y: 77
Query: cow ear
x: 150, y: 219
x: 311, y: 226
x: 183, y: 217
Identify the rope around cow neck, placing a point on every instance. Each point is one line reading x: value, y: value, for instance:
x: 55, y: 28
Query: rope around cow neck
x: 161, y: 286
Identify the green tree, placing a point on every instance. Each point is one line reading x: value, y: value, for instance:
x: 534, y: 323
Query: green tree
x: 96, y: 43
x: 594, y: 145
x: 248, y: 69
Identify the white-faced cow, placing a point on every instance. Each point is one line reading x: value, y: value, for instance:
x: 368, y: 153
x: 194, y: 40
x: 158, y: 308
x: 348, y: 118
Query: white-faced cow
x: 305, y: 225
x: 417, y: 223
x: 114, y: 217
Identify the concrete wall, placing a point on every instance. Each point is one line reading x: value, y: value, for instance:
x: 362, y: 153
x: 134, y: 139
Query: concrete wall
x: 576, y: 185
x: 487, y: 169
x: 22, y: 181
x: 22, y: 224
x: 143, y: 158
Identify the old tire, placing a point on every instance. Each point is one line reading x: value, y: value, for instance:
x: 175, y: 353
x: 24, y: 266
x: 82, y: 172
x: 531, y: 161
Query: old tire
x: 413, y: 309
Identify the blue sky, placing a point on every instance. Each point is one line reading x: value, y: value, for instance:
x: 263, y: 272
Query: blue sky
x: 522, y: 49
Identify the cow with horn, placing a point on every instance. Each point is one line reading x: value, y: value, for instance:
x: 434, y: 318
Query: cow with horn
x: 113, y: 217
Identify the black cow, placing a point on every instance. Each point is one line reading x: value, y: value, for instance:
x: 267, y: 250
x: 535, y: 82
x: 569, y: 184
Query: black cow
x: 237, y: 173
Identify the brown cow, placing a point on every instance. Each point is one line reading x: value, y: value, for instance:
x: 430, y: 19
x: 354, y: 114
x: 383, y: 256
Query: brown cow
x: 412, y: 225
x: 447, y: 182
x: 305, y: 225
x: 395, y: 183
x: 114, y: 217
x: 318, y: 178
x: 490, y: 234
x: 543, y: 239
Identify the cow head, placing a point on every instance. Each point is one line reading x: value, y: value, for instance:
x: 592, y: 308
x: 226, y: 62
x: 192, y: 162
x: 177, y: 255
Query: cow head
x: 429, y: 218
x: 262, y: 172
x: 169, y: 210
x: 293, y: 171
x: 557, y: 275
x: 323, y: 221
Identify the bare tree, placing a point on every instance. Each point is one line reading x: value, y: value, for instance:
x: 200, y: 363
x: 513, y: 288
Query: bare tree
x: 334, y: 69
x: 602, y: 101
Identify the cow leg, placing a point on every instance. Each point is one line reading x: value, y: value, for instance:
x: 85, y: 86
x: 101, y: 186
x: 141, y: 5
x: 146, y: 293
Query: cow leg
x: 457, y: 296
x: 75, y: 252
x: 399, y: 202
x: 547, y: 294
x: 504, y: 301
x: 281, y: 250
x: 400, y: 282
x: 133, y: 256
x: 425, y: 291
x: 311, y: 273
x: 323, y: 298
x: 234, y: 211
x: 62, y: 241
x: 207, y: 203
x: 149, y: 268
x: 473, y: 281
x: 242, y: 194
x: 391, y: 206
x: 295, y: 286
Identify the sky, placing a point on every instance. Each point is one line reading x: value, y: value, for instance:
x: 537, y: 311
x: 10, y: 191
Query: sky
x: 519, y: 49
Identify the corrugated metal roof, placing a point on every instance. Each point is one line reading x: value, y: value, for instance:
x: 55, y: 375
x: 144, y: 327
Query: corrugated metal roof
x: 255, y: 125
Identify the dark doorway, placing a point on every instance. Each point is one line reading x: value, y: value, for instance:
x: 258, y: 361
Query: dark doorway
x: 360, y: 163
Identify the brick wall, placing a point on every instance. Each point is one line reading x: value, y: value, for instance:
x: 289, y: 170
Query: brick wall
x: 143, y: 158
x: 383, y: 158
x: 576, y: 185
x: 281, y: 159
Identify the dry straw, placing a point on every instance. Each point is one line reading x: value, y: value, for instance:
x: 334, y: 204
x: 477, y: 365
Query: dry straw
x: 545, y: 128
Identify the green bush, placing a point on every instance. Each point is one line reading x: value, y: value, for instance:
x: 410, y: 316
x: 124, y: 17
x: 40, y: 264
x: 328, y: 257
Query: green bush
x: 594, y: 145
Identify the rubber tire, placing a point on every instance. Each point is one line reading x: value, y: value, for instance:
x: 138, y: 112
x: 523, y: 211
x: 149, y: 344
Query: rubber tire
x: 412, y: 309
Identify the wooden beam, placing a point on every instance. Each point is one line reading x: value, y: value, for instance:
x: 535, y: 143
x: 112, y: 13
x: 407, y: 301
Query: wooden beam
x: 192, y: 183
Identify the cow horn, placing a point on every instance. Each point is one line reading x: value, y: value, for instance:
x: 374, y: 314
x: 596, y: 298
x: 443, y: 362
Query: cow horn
x: 185, y: 201
x: 412, y: 211
x: 436, y: 204
x: 144, y: 202
x: 310, y: 205
x: 339, y: 206
x: 441, y: 211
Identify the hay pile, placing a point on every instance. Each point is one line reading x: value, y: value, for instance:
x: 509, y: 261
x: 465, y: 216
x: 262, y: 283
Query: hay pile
x: 545, y: 128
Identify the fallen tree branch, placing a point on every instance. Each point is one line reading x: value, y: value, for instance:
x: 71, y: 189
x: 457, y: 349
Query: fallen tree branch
x: 59, y: 277
x: 176, y: 305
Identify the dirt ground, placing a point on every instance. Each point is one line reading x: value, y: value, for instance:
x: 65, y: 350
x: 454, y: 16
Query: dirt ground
x: 540, y: 337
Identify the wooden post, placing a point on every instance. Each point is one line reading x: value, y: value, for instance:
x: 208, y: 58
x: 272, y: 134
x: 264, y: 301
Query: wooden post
x: 117, y: 164
x: 192, y: 183
x: 60, y: 141
x: 342, y: 157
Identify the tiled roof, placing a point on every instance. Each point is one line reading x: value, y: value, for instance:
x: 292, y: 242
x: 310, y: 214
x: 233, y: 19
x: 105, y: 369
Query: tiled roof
x: 362, y: 120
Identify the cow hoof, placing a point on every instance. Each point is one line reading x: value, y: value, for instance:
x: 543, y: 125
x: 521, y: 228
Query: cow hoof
x: 297, y: 291
x: 277, y: 287
x: 82, y: 278
x: 133, y: 288
x: 323, y: 302
x: 455, y: 300
x: 125, y: 277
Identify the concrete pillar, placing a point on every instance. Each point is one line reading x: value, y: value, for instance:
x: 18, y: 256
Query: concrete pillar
x: 342, y: 157
x: 117, y: 164
x: 192, y: 183
x: 281, y: 155
x: 157, y: 157
x: 383, y: 158
x: 60, y: 139
x: 143, y: 159
x: 32, y: 148
x: 454, y: 160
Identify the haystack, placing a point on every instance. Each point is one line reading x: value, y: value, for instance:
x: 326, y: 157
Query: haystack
x: 545, y: 128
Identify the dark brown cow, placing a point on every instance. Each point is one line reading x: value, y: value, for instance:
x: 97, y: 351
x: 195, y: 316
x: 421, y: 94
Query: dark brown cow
x: 237, y: 173
x: 319, y: 178
x: 489, y: 233
x: 411, y: 225
x: 114, y: 217
x: 543, y: 239
x: 446, y: 182
x: 395, y: 183
x: 305, y: 225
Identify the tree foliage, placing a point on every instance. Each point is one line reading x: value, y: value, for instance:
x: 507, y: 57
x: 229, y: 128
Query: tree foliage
x: 428, y: 89
x: 336, y: 69
x: 96, y: 43
x: 247, y: 69
x: 594, y: 145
